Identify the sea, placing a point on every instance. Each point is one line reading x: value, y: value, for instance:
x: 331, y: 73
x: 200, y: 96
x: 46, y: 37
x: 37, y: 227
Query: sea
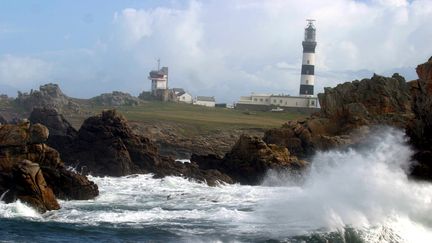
x: 359, y: 194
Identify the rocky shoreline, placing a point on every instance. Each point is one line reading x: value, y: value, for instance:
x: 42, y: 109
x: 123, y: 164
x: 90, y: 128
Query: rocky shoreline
x: 34, y: 154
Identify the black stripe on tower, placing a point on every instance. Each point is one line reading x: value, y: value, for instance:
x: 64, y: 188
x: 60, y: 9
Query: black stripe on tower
x: 306, y: 89
x: 308, y: 69
x: 309, y: 47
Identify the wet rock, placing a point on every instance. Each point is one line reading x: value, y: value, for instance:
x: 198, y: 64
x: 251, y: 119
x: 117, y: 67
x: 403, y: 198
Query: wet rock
x: 250, y: 159
x: 29, y: 186
x: 420, y: 129
x: 42, y: 166
x: 68, y: 185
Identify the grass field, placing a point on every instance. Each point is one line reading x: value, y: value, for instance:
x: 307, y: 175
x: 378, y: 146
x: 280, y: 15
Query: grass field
x: 201, y: 118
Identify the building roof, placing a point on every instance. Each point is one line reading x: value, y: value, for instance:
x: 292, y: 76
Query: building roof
x: 178, y: 90
x: 206, y: 98
x: 180, y: 93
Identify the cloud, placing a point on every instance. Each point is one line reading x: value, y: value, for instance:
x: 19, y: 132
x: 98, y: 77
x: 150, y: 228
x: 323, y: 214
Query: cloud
x: 229, y: 48
x: 20, y: 71
x: 248, y: 45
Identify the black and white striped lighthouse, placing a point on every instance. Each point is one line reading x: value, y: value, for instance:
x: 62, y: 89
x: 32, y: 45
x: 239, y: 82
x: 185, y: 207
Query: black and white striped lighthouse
x: 308, y: 64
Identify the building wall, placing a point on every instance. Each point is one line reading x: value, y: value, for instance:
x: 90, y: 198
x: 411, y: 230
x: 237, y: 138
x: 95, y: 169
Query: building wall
x: 287, y: 101
x: 282, y: 101
x: 205, y: 103
x: 186, y: 98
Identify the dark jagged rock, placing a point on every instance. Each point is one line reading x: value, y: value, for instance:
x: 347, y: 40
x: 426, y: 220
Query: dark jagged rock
x: 43, y: 167
x: 68, y: 185
x: 379, y: 100
x: 346, y: 111
x: 62, y: 134
x: 420, y: 129
x: 107, y: 146
x: 27, y: 184
x: 250, y: 159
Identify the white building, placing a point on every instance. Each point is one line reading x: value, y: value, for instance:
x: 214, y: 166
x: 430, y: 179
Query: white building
x: 159, y: 80
x: 205, y: 101
x: 184, y: 97
x: 279, y: 100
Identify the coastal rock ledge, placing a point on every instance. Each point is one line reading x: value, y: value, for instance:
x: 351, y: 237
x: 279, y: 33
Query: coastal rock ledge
x: 34, y: 173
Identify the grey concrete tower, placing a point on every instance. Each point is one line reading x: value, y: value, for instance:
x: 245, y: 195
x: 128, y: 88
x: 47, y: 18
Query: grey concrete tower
x: 308, y: 64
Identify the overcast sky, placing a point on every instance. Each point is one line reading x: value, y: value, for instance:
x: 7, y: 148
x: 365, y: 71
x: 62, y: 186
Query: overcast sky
x: 221, y: 48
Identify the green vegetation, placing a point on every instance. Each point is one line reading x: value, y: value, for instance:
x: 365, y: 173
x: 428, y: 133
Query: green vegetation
x: 202, y: 118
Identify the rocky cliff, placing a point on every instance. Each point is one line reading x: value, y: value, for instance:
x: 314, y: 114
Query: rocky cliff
x: 34, y: 172
x: 48, y: 96
x: 105, y: 145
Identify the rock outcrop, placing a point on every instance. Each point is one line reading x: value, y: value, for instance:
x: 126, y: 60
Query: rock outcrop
x: 62, y: 134
x: 420, y: 129
x: 105, y: 145
x: 250, y: 159
x: 115, y: 98
x: 28, y: 185
x: 347, y: 111
x: 43, y: 170
x: 350, y: 109
x: 48, y: 96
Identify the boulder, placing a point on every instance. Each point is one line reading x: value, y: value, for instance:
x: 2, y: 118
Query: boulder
x: 28, y: 185
x: 250, y: 159
x: 68, y: 185
x: 42, y: 175
x: 61, y: 132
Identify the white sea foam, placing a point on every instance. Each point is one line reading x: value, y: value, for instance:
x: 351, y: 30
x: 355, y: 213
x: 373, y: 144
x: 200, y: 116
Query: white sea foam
x: 365, y: 188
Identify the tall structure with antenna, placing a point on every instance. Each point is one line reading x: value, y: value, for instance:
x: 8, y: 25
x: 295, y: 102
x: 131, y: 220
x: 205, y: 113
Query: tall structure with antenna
x: 159, y: 81
x: 307, y: 80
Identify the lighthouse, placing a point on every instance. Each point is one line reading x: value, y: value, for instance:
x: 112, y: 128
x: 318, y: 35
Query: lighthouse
x: 307, y: 80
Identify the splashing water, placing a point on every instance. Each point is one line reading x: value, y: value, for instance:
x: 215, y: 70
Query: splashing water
x: 360, y: 194
x: 363, y: 188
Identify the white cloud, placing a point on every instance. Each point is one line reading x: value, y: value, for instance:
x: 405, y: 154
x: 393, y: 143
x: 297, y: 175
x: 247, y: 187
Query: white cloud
x: 245, y: 45
x: 19, y: 71
x: 229, y: 48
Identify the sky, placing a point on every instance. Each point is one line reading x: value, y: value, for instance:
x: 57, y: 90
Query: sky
x: 221, y: 48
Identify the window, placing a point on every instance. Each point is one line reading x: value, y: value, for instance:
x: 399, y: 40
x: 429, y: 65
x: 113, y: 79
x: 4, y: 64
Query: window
x: 312, y: 102
x: 308, y: 62
x: 274, y: 101
x: 261, y: 100
x: 280, y: 101
x: 255, y: 99
x: 266, y: 100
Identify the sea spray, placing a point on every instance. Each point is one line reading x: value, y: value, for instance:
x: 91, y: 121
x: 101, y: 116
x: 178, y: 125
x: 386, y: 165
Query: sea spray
x: 360, y: 194
x: 363, y: 188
